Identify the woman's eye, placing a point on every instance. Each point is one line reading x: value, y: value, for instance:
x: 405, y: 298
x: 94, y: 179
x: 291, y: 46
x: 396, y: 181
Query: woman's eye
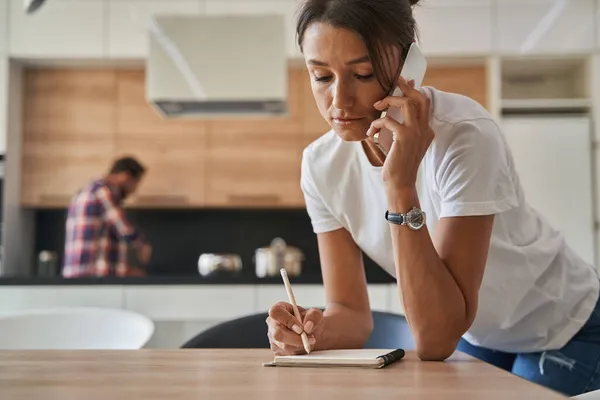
x: 364, y: 77
x: 322, y: 78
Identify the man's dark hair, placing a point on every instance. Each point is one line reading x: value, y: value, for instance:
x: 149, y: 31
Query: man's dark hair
x: 129, y: 165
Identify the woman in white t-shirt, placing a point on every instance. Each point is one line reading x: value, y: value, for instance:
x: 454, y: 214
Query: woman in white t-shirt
x: 486, y: 274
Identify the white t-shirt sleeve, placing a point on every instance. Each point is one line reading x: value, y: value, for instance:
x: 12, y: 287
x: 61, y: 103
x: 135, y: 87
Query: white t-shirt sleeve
x: 321, y: 218
x: 474, y: 176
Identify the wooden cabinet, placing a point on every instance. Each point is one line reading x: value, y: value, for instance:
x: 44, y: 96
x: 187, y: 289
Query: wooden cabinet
x: 545, y: 26
x: 287, y: 8
x: 172, y: 150
x: 128, y: 23
x: 68, y: 136
x: 454, y: 27
x: 468, y: 80
x: 58, y: 29
x: 256, y: 162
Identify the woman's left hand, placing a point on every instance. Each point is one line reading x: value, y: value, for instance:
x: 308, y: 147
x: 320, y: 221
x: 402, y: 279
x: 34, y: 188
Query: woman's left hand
x: 411, y: 138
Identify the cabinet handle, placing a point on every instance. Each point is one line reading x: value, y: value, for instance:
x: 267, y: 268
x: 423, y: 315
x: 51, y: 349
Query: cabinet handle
x: 258, y: 199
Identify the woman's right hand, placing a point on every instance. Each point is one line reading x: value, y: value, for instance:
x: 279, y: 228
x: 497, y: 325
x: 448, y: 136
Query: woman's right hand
x: 285, y: 329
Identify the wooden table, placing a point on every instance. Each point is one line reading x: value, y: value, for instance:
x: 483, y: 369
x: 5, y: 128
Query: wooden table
x: 239, y: 374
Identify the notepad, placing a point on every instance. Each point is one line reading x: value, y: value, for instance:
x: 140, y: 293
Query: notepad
x: 365, y: 358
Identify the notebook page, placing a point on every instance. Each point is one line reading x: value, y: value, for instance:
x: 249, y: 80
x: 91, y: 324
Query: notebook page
x: 358, y: 356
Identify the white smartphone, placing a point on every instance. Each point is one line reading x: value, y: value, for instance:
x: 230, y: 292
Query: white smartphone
x: 414, y: 68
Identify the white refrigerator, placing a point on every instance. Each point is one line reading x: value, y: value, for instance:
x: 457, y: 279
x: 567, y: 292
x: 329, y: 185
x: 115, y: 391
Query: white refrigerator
x: 553, y: 157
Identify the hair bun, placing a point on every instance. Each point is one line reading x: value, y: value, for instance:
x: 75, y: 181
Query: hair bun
x: 413, y: 2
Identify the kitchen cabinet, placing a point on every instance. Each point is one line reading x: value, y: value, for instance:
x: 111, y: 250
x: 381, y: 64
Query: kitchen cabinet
x: 172, y: 150
x: 454, y: 27
x: 551, y: 186
x: 545, y: 26
x: 287, y: 8
x: 58, y: 29
x: 129, y: 19
x: 255, y: 162
x: 3, y: 27
x: 4, y: 93
x: 468, y: 80
x: 68, y: 136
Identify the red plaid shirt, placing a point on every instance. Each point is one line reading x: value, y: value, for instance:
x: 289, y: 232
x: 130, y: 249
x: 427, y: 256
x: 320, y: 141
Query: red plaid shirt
x: 98, y: 235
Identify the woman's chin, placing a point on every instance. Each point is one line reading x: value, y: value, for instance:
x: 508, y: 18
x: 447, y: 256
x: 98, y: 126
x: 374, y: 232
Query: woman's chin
x: 351, y: 134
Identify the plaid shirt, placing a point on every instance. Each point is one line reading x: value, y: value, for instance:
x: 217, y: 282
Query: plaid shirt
x: 98, y: 235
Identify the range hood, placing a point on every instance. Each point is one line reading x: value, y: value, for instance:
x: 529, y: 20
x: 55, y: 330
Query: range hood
x: 215, y: 66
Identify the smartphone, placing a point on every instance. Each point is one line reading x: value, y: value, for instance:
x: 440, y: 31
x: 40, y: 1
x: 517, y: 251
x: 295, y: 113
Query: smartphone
x: 414, y: 68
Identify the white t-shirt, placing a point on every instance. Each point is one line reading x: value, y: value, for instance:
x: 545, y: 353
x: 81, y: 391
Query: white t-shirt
x: 536, y: 291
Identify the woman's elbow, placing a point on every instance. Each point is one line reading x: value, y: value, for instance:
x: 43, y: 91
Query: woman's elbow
x: 438, y: 350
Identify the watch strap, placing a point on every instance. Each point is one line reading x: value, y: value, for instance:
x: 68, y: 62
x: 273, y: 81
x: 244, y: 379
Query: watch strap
x: 394, y: 218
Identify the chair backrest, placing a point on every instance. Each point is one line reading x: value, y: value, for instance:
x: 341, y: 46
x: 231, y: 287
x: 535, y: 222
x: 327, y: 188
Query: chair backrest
x: 74, y: 328
x: 390, y: 331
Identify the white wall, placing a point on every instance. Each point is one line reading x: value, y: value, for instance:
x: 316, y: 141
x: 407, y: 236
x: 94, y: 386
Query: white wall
x: 18, y: 234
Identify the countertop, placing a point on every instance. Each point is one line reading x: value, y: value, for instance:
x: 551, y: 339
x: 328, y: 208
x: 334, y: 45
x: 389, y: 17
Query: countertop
x: 239, y: 374
x: 174, y: 280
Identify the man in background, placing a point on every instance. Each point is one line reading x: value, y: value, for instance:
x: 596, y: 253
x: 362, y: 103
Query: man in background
x: 99, y: 238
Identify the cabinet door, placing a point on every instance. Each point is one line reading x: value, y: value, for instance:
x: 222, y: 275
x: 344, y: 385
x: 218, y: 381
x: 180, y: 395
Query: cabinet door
x: 128, y: 23
x: 454, y: 27
x: 172, y: 150
x: 545, y: 26
x: 60, y: 28
x: 256, y: 163
x: 287, y: 8
x: 468, y: 80
x: 69, y: 118
x: 3, y: 27
x: 3, y: 102
x: 550, y: 185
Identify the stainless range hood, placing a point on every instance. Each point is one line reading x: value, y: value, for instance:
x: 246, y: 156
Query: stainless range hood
x: 215, y: 66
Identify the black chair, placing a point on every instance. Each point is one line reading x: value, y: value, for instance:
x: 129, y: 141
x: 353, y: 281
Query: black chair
x: 390, y: 331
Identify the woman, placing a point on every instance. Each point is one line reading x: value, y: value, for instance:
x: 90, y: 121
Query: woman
x: 487, y: 274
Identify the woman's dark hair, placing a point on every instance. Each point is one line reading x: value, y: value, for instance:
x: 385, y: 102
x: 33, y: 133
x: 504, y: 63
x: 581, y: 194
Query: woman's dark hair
x: 129, y: 165
x: 379, y: 23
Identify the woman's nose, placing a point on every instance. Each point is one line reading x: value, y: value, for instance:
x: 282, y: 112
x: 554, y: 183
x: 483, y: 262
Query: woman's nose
x: 342, y: 96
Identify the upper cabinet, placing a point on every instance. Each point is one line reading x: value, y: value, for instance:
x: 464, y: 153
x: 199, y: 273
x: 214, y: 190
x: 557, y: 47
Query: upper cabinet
x: 172, y: 150
x: 3, y: 27
x: 546, y: 26
x: 68, y: 133
x: 58, y: 29
x: 129, y: 19
x: 287, y: 8
x: 4, y: 90
x: 455, y: 27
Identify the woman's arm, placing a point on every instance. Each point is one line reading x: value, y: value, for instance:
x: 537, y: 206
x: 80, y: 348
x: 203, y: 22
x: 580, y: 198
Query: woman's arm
x: 347, y: 321
x: 439, y: 279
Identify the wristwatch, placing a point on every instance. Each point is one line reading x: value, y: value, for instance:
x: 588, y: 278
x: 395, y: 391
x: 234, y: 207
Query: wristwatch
x: 414, y: 219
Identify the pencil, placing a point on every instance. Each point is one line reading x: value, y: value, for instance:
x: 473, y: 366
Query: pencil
x: 288, y: 288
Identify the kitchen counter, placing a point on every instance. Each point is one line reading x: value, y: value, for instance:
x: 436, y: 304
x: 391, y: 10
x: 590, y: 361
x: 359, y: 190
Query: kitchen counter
x: 173, y: 280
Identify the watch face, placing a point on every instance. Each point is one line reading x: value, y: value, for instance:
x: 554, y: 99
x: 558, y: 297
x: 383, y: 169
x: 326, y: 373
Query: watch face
x: 416, y: 218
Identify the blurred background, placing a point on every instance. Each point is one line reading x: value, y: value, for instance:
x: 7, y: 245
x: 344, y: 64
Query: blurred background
x: 181, y: 85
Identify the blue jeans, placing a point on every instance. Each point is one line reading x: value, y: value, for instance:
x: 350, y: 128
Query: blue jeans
x: 571, y: 370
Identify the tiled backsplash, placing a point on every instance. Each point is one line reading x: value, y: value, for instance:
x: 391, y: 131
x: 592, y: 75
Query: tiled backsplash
x: 179, y: 237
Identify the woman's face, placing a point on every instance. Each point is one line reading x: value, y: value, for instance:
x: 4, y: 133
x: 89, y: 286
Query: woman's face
x: 342, y: 79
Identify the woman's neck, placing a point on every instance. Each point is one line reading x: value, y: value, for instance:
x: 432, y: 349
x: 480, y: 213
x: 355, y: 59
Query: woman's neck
x: 374, y: 154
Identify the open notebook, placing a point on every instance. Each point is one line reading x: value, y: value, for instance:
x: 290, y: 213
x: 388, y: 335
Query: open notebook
x: 366, y: 358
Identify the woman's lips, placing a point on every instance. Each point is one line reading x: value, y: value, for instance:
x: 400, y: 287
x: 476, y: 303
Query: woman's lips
x: 346, y: 121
